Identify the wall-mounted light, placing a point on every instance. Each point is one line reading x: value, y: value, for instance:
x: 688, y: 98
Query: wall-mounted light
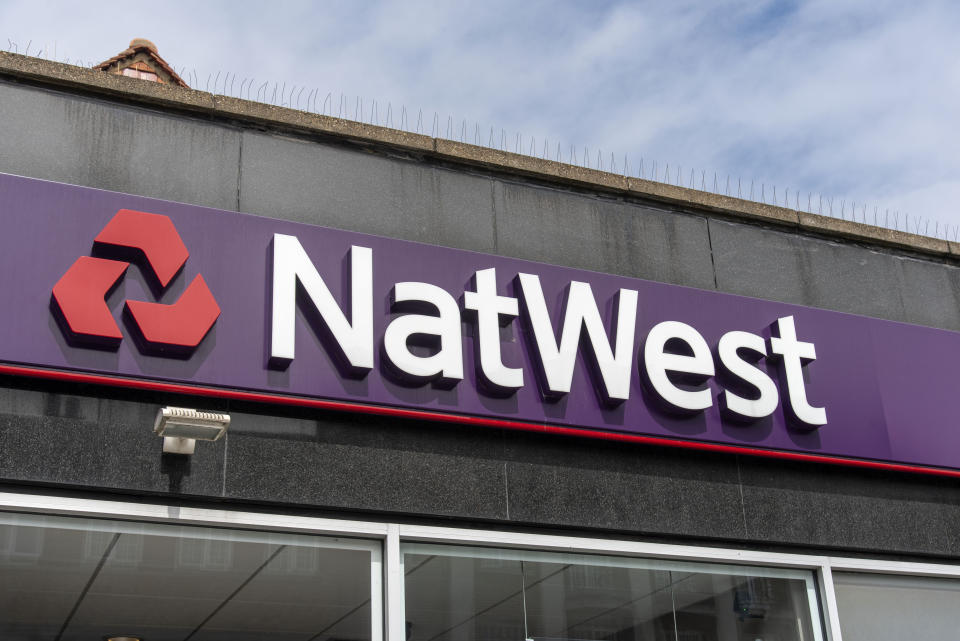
x: 182, y: 427
x: 125, y: 637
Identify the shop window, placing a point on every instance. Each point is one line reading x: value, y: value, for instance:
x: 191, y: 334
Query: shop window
x: 298, y: 561
x: 20, y: 546
x: 495, y: 565
x: 125, y: 551
x: 590, y: 577
x: 877, y: 607
x: 204, y: 554
x: 554, y: 596
x: 93, y: 579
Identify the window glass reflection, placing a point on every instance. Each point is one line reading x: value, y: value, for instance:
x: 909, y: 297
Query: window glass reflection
x: 879, y: 607
x: 78, y: 579
x: 478, y: 594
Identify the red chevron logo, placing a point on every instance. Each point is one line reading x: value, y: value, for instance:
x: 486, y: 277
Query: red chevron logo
x: 79, y: 297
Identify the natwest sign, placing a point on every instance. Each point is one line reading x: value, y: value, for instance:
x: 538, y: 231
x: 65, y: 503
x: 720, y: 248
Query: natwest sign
x: 100, y: 286
x: 675, y: 362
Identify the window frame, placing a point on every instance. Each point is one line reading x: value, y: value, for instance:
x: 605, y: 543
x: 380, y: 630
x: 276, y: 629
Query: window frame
x: 361, y: 538
x: 644, y: 562
x: 388, y: 616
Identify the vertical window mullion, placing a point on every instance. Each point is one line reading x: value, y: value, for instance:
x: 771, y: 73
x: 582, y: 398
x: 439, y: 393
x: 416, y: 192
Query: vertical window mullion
x: 393, y: 571
x: 831, y: 618
x: 376, y: 593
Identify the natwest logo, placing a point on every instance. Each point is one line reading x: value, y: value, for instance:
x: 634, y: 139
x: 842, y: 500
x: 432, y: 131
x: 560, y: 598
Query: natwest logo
x: 152, y: 241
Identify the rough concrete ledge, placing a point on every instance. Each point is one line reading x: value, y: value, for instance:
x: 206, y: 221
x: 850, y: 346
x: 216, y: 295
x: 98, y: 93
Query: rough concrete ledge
x: 528, y: 165
x: 880, y: 235
x: 728, y: 205
x: 304, y: 121
x: 55, y: 74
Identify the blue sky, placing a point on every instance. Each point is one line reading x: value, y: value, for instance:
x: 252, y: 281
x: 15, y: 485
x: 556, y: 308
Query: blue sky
x: 857, y: 101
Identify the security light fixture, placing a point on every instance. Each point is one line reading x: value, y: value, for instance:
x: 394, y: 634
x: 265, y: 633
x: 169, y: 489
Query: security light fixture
x: 123, y: 638
x: 182, y: 427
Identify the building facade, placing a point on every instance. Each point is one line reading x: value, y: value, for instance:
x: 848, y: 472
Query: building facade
x: 443, y: 511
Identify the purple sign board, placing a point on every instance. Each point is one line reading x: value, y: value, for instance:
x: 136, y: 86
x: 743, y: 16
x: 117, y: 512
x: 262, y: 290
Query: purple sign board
x: 284, y: 310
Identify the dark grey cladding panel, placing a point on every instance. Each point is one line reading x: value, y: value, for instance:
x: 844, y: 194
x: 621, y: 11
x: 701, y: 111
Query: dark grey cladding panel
x: 87, y: 142
x: 425, y: 469
x: 931, y: 293
x: 97, y: 443
x: 788, y: 267
x: 601, y: 234
x: 583, y: 483
x: 844, y: 508
x: 408, y: 468
x: 349, y: 189
x: 367, y: 463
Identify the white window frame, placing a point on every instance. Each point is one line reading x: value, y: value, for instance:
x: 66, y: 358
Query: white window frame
x: 387, y: 611
x: 166, y: 514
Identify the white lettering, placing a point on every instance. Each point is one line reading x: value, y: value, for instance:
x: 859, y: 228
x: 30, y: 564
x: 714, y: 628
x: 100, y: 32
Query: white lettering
x: 424, y: 341
x: 698, y: 367
x: 557, y: 361
x: 446, y: 364
x: 354, y: 338
x: 742, y: 408
x: 492, y: 312
x: 793, y: 354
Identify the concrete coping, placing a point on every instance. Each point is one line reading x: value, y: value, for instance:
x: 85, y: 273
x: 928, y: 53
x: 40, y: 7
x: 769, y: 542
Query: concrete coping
x: 137, y: 91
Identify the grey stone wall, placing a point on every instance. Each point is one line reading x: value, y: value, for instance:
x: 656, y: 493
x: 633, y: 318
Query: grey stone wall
x: 100, y: 439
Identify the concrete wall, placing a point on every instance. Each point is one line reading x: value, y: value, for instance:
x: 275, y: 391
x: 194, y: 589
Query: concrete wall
x: 60, y: 436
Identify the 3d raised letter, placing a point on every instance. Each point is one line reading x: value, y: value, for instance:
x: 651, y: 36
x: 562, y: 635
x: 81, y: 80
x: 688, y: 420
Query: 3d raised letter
x: 443, y: 332
x: 354, y: 338
x: 697, y: 368
x: 558, y: 361
x: 493, y: 311
x: 793, y: 353
x: 737, y: 406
